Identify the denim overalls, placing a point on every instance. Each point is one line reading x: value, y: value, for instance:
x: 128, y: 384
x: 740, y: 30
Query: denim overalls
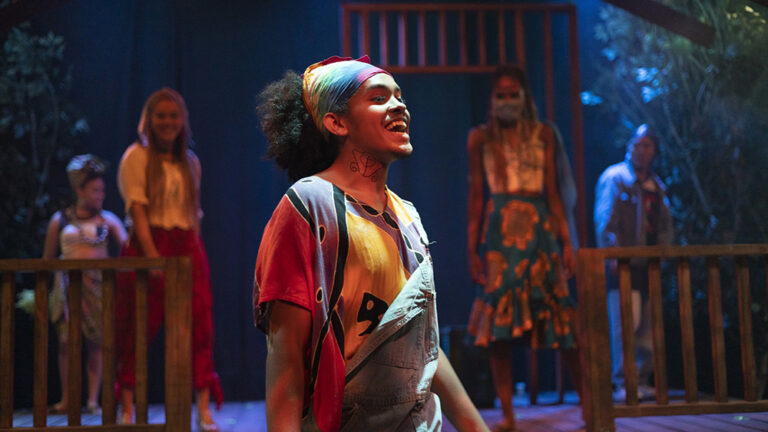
x: 388, y: 380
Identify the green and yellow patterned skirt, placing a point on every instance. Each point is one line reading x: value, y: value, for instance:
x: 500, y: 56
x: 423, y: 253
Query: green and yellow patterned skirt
x: 526, y: 295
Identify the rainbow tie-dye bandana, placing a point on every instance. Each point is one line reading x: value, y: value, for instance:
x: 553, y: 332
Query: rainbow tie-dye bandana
x: 333, y: 81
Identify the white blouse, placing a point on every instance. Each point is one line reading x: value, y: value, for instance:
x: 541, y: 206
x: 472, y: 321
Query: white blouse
x: 132, y: 179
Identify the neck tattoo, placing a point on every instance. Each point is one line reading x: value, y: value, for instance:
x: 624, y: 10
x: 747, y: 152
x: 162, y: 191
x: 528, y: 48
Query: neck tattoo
x: 364, y: 164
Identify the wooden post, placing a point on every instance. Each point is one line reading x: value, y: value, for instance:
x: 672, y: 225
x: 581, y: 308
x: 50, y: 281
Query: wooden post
x: 716, y: 329
x: 346, y: 43
x: 627, y: 331
x: 549, y: 78
x: 597, y: 398
x: 108, y: 406
x: 745, y: 329
x: 462, y: 38
x: 141, y: 346
x: 502, y: 38
x: 519, y: 39
x: 383, y: 40
x: 364, y: 34
x: 402, y: 31
x: 578, y: 137
x: 40, y: 376
x: 686, y: 329
x: 422, y: 30
x: 657, y: 325
x: 178, y: 344
x: 482, y: 57
x: 75, y: 346
x: 7, y: 321
x: 442, y: 40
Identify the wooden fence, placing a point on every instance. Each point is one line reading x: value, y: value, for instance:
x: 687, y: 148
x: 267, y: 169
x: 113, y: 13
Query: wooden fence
x: 500, y: 26
x: 178, y: 319
x: 597, y: 400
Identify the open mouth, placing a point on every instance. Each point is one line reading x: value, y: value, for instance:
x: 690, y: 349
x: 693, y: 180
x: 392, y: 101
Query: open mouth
x: 399, y: 126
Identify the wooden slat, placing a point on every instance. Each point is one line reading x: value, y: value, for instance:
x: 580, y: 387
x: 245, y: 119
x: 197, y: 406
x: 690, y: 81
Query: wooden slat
x: 435, y: 69
x: 685, y: 251
x: 7, y: 309
x: 643, y: 410
x: 402, y: 42
x: 422, y: 30
x: 383, y: 40
x: 108, y: 406
x: 462, y: 38
x: 549, y: 74
x: 716, y: 329
x: 745, y: 329
x: 75, y: 346
x: 178, y: 345
x: 657, y: 326
x: 502, y: 37
x: 141, y: 346
x: 107, y: 428
x: 519, y: 40
x: 686, y: 329
x: 346, y: 42
x: 127, y: 263
x: 435, y: 7
x: 627, y: 331
x: 597, y: 398
x: 40, y: 374
x: 364, y: 29
x: 442, y: 40
x: 482, y: 52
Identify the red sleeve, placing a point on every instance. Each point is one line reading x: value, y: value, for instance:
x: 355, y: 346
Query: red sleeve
x: 284, y: 268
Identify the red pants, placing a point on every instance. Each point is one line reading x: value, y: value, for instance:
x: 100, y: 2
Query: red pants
x: 175, y: 242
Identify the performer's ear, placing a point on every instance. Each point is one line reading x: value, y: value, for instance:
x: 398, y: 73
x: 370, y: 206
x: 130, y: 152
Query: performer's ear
x: 335, y: 124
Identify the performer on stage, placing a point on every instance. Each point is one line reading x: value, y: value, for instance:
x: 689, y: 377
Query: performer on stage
x: 159, y: 180
x: 516, y: 257
x: 632, y: 209
x: 343, y: 280
x: 82, y: 231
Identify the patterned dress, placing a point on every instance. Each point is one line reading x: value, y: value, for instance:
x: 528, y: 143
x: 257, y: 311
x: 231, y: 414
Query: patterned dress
x: 526, y: 295
x: 345, y: 263
x: 87, y: 239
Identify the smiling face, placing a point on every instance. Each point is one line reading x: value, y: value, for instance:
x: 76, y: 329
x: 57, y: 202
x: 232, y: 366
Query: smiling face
x: 166, y: 122
x: 377, y: 120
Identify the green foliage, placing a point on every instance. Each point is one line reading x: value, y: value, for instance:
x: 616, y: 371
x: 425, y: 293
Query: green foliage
x: 709, y: 106
x: 39, y: 131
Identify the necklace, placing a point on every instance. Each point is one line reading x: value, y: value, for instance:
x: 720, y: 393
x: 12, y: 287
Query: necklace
x: 101, y: 230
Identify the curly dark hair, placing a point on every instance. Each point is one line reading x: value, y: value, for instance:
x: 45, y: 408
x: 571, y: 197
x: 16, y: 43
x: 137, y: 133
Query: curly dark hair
x: 295, y: 143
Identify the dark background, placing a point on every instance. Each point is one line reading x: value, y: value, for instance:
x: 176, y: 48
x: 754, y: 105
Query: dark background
x: 219, y: 55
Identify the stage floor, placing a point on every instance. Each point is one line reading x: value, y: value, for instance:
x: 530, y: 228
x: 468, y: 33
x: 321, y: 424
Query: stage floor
x: 546, y: 417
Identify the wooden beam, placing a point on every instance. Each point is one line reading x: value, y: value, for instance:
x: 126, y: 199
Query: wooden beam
x: 668, y: 18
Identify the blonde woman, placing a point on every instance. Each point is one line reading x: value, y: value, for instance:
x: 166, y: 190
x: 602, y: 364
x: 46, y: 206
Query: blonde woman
x: 159, y: 180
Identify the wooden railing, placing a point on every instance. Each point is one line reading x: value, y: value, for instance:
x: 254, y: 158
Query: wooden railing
x: 178, y: 318
x: 500, y: 26
x: 597, y: 400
